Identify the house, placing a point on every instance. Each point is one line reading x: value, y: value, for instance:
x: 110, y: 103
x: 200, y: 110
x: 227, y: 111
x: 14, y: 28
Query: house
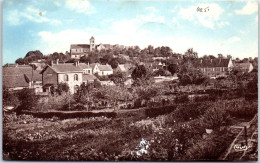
x: 102, y: 70
x: 17, y: 77
x: 70, y: 73
x: 244, y: 67
x: 214, y: 67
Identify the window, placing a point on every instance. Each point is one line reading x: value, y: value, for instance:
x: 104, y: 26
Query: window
x: 76, y: 77
x: 66, y: 77
x: 89, y: 71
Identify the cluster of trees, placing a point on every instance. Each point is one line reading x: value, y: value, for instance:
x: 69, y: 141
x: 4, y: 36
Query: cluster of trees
x: 30, y: 57
x: 36, y: 55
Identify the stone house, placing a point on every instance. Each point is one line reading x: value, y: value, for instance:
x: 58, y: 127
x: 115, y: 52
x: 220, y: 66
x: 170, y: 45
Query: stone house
x: 70, y: 73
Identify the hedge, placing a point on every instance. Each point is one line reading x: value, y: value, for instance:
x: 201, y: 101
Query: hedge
x: 68, y: 115
x: 153, y: 112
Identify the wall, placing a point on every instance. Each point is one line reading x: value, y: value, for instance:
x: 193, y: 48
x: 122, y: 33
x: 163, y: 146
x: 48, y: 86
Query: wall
x: 71, y: 83
x: 49, y: 77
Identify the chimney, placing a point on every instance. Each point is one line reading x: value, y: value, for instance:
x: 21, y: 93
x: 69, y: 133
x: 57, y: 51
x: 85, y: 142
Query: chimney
x: 57, y: 61
x: 51, y: 62
x: 201, y: 61
x: 211, y: 60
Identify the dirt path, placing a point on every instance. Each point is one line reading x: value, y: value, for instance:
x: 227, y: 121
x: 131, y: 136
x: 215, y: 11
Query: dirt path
x: 239, y: 150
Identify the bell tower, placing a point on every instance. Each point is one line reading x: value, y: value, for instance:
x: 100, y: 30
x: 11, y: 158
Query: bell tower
x: 92, y: 43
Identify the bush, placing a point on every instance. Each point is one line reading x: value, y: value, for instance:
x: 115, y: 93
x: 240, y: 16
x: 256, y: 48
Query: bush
x: 28, y: 99
x: 214, y: 117
x: 242, y: 109
x: 190, y: 111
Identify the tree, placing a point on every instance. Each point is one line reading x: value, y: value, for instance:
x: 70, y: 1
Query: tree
x: 20, y: 61
x: 62, y: 87
x: 190, y: 75
x: 118, y: 77
x: 220, y: 56
x: 173, y: 68
x: 139, y: 72
x: 27, y: 98
x: 190, y: 53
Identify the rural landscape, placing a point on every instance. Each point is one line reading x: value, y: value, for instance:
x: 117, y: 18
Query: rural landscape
x: 121, y: 102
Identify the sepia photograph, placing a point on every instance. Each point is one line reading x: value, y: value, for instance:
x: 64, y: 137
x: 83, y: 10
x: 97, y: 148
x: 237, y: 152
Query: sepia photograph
x: 130, y: 80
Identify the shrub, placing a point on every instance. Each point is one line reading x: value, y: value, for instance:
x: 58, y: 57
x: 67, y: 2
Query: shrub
x: 210, y: 148
x: 190, y: 111
x: 242, y: 109
x: 214, y: 117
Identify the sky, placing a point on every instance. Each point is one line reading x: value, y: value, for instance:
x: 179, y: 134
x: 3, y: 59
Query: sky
x: 209, y: 27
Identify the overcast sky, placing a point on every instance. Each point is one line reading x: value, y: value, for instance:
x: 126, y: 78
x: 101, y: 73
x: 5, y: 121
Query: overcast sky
x: 227, y: 27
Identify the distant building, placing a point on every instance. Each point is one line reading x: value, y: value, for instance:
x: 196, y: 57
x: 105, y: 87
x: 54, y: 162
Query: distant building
x: 80, y: 50
x: 102, y: 70
x: 214, y: 67
x: 244, y: 67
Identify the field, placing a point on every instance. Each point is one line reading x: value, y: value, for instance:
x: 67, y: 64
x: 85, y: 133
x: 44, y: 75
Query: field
x: 175, y: 132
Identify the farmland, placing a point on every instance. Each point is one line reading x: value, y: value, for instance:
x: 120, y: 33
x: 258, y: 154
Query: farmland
x: 135, y: 134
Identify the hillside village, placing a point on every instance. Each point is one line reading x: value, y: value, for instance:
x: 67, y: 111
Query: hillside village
x: 86, y: 63
x: 115, y: 102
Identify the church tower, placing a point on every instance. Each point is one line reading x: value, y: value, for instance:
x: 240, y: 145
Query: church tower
x: 92, y: 43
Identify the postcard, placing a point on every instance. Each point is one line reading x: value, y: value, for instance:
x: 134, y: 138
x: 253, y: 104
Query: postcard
x: 130, y: 80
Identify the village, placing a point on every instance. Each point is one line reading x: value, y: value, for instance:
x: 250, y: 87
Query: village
x: 144, y: 92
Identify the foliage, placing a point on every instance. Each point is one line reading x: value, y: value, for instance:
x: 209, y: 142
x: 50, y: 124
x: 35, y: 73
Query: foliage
x: 173, y: 68
x: 154, y: 112
x: 62, y: 87
x: 139, y: 72
x: 190, y: 75
x: 118, y: 77
x: 29, y: 57
x: 10, y: 98
x: 215, y: 117
x: 27, y: 98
